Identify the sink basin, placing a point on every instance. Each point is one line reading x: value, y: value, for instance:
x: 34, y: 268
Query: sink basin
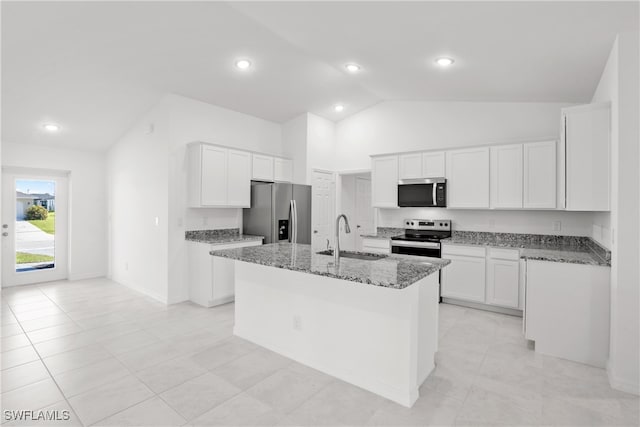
x: 355, y: 255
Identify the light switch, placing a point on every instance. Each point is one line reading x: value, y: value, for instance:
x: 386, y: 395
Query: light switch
x: 157, y: 220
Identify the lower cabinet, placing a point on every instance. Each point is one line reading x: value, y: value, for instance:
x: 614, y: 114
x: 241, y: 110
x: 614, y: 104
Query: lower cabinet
x: 503, y: 278
x: 464, y: 278
x: 567, y: 310
x: 212, y: 279
x: 483, y: 275
x: 377, y: 246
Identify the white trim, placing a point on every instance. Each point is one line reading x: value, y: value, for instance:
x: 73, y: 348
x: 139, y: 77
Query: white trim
x: 619, y: 384
x: 353, y: 172
x: 158, y: 297
x: 86, y: 276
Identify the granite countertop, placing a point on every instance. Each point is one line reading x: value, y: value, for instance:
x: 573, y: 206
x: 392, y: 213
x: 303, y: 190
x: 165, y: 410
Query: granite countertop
x: 385, y: 233
x: 568, y: 249
x: 220, y: 237
x: 393, y: 271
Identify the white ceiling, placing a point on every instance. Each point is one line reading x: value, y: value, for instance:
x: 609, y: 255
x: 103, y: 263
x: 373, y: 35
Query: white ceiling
x: 95, y: 67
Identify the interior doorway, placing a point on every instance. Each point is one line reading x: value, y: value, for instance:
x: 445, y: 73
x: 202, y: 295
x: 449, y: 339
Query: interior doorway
x: 34, y: 226
x: 323, y: 209
x: 355, y: 202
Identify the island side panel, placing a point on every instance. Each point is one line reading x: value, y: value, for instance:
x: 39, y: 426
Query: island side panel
x: 363, y: 334
x: 428, y: 318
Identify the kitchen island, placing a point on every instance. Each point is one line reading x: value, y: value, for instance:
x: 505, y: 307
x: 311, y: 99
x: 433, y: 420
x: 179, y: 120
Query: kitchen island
x: 372, y: 323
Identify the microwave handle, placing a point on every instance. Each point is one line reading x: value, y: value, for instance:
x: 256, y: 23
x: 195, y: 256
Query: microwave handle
x: 435, y: 201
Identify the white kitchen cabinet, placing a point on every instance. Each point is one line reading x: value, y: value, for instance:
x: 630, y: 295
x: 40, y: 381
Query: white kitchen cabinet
x: 384, y: 182
x: 433, y: 164
x: 586, y: 138
x: 468, y: 178
x: 238, y: 179
x: 567, y: 310
x: 378, y: 246
x: 503, y: 277
x: 410, y: 166
x: 218, y: 176
x: 263, y: 167
x: 540, y: 175
x: 464, y: 278
x: 506, y: 176
x: 212, y: 279
x: 282, y: 170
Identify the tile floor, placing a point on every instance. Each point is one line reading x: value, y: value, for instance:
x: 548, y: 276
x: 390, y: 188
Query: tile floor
x: 111, y: 356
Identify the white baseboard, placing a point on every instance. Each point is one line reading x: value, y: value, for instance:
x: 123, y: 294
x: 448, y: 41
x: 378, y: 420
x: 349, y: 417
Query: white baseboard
x: 86, y: 276
x: 140, y: 289
x: 621, y: 384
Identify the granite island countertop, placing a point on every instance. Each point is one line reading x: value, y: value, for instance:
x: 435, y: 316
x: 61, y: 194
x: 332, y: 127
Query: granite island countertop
x: 220, y: 237
x: 392, y: 271
x: 567, y: 249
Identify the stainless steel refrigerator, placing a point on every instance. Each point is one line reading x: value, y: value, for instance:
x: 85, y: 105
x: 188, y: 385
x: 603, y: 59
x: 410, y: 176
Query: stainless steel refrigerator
x: 280, y: 212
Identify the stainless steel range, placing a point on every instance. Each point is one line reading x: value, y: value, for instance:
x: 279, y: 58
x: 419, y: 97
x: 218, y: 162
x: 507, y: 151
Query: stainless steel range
x: 421, y: 237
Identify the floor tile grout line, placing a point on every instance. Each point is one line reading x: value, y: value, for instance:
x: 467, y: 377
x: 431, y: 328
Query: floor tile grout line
x: 50, y: 374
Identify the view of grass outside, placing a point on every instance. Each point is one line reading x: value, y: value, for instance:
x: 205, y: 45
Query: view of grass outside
x: 24, y: 258
x: 47, y: 225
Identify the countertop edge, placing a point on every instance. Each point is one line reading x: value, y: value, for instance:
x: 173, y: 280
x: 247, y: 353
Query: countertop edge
x: 227, y: 240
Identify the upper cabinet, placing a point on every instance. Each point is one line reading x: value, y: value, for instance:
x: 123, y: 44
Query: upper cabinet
x: 384, y: 182
x: 410, y: 166
x: 468, y: 178
x: 506, y: 176
x: 263, y: 167
x: 218, y: 176
x: 540, y: 175
x: 282, y: 170
x: 421, y: 165
x: 586, y: 139
x: 433, y: 164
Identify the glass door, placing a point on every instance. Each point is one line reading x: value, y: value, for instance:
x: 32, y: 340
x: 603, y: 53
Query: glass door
x: 34, y: 228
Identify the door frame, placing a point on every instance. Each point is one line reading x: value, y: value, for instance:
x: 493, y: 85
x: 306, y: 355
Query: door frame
x: 63, y: 192
x: 338, y: 191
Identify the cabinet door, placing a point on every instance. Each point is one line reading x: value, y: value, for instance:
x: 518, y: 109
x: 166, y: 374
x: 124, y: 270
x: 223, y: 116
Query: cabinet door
x: 214, y: 176
x: 282, y: 170
x: 587, y: 133
x: 239, y: 179
x: 384, y: 180
x: 468, y: 178
x: 262, y: 167
x: 433, y: 165
x: 410, y: 165
x: 540, y: 175
x: 464, y: 278
x: 506, y: 176
x: 503, y: 283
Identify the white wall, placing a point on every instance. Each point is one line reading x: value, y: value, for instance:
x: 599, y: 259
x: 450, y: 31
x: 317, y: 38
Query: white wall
x: 619, y: 84
x: 137, y: 194
x: 87, y: 200
x: 404, y: 126
x: 321, y: 139
x: 149, y: 169
x: 294, y: 145
x: 192, y: 120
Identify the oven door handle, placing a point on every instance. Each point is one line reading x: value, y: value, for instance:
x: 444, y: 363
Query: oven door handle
x: 432, y: 245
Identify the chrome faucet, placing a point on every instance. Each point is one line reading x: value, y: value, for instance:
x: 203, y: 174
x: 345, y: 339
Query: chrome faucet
x: 347, y: 229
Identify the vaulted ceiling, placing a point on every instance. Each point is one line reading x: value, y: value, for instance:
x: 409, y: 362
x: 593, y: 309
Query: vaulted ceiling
x: 95, y: 67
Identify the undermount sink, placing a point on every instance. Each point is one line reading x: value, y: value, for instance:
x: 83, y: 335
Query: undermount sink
x: 355, y: 255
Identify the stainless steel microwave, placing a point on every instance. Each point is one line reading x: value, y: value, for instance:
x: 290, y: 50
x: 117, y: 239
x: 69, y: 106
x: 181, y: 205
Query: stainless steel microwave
x: 424, y: 193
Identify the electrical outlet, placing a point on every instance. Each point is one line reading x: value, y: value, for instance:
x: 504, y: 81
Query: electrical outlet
x: 126, y: 266
x: 297, y: 322
x: 557, y: 225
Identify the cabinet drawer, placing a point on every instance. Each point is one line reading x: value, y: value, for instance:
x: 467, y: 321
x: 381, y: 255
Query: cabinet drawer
x: 376, y: 243
x: 507, y: 254
x: 473, y: 251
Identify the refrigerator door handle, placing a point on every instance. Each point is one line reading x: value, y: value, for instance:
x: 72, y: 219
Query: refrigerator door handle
x: 290, y: 237
x: 295, y: 222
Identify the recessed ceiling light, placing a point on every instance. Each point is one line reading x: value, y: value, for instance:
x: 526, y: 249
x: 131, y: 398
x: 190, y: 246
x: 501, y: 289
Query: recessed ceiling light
x: 243, y: 64
x: 338, y: 108
x: 352, y: 68
x: 444, y: 61
x: 51, y: 127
